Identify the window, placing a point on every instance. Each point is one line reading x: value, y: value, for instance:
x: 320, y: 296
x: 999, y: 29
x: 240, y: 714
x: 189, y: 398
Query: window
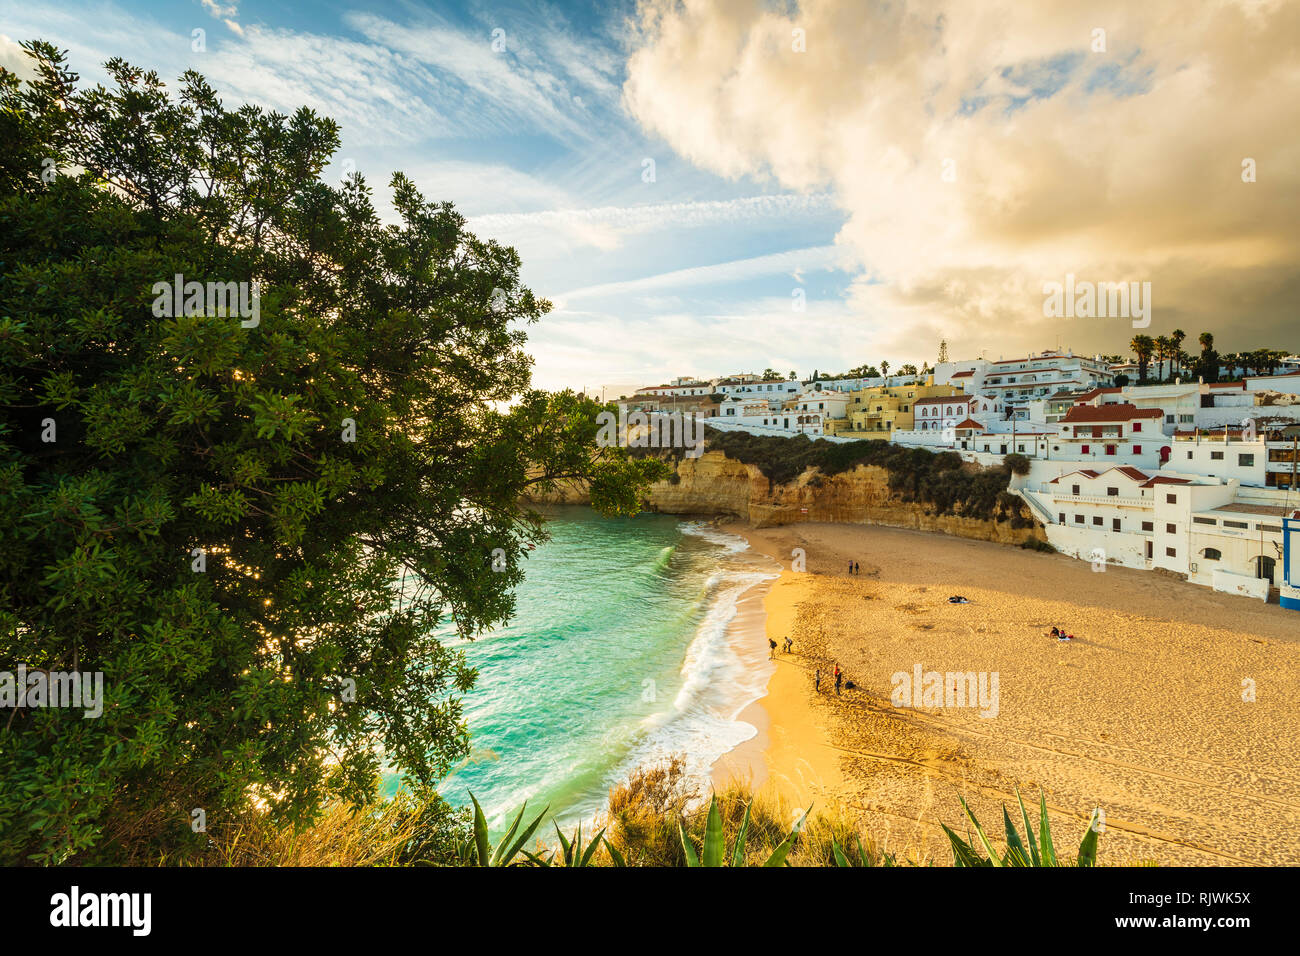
x: 1096, y: 519
x: 1085, y: 449
x: 1074, y: 489
x: 1171, y: 552
x: 1212, y: 554
x: 1276, y: 529
x: 1216, y: 456
x: 1189, y: 456
x: 1169, y: 419
x: 1148, y: 526
x: 1112, y: 492
x: 1204, y: 521
x: 1246, y: 461
x: 1235, y: 524
x: 1137, y: 449
x: 1078, y: 519
x: 1171, y: 529
x: 1171, y: 499
x: 1114, y: 524
x: 1186, y: 419
x: 1149, y: 551
x: 1061, y: 516
x: 1137, y: 426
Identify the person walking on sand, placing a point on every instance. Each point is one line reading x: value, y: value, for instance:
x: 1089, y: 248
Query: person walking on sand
x: 857, y: 568
x: 817, y: 680
x: 850, y: 567
x: 839, y: 678
x: 771, y: 654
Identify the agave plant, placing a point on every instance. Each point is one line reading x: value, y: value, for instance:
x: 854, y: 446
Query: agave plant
x: 573, y: 853
x: 478, y: 852
x: 714, y: 850
x: 859, y: 857
x: 1028, y: 852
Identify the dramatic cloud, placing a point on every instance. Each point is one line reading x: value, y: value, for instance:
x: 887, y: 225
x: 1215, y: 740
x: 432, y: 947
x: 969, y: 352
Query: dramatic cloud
x: 980, y: 150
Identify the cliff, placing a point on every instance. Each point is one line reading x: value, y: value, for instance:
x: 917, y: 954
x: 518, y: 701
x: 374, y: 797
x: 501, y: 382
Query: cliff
x: 714, y: 484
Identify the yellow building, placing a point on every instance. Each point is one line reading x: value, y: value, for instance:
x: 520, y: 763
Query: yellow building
x: 881, y: 410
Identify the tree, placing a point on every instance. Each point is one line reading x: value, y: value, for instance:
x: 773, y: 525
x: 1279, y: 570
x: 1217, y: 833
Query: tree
x: 884, y: 369
x: 1176, y: 338
x: 251, y: 529
x: 1163, y: 346
x: 1207, y: 365
x: 1142, y: 346
x: 1121, y: 380
x: 793, y: 376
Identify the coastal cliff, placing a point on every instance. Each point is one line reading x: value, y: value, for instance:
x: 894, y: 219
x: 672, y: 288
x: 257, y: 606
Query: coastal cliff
x: 715, y: 484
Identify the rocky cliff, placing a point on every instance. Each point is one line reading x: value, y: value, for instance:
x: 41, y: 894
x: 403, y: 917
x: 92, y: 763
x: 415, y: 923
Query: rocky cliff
x: 714, y: 484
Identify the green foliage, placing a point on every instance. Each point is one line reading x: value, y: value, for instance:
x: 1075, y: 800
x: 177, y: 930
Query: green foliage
x: 348, y: 468
x: 477, y: 851
x: 1030, y: 851
x: 714, y: 850
x: 938, y: 479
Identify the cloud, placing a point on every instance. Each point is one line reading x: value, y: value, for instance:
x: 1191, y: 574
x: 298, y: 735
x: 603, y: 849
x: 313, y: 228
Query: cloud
x: 606, y: 227
x: 1117, y: 164
x: 738, y: 270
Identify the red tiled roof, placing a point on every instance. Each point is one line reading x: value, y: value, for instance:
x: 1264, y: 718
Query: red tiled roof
x: 962, y: 374
x: 1082, y: 471
x: 1165, y: 480
x: 1132, y: 472
x: 1117, y: 412
x: 940, y: 399
x: 1090, y: 395
x: 970, y: 423
x: 1227, y: 385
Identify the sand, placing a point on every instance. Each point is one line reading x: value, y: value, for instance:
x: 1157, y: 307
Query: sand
x: 1142, y: 714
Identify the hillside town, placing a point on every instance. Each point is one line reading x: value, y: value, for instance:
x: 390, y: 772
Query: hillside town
x: 1193, y: 474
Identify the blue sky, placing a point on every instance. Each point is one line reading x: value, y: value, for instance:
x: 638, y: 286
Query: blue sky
x: 907, y: 171
x: 530, y: 141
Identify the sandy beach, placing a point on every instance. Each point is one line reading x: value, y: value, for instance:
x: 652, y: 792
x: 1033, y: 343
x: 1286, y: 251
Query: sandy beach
x: 1172, y: 709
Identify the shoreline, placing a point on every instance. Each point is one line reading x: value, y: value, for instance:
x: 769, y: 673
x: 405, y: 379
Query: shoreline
x: 1143, y: 714
x: 791, y: 752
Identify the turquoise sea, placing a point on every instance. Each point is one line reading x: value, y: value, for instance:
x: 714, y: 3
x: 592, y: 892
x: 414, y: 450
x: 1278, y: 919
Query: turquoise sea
x: 619, y: 655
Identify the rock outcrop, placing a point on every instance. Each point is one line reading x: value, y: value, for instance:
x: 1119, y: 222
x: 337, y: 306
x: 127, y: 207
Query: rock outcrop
x: 714, y: 484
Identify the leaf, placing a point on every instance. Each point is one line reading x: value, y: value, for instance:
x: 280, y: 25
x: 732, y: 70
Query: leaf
x: 1016, y: 853
x: 480, y: 833
x: 781, y: 852
x: 714, y: 839
x: 738, y: 855
x: 691, y: 858
x: 1029, y: 830
x: 994, y: 859
x: 1088, y: 848
x: 1045, y: 832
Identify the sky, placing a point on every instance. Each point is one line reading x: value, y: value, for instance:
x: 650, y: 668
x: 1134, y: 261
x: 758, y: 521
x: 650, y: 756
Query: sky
x: 709, y: 188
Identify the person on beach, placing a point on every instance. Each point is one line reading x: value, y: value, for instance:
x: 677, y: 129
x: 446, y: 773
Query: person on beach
x: 839, y: 678
x: 817, y: 680
x: 857, y: 568
x: 771, y: 654
x: 850, y: 567
x: 1055, y: 632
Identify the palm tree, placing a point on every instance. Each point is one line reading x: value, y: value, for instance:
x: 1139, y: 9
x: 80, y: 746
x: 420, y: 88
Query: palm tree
x: 1142, y: 346
x: 884, y: 368
x: 1163, y: 346
x: 1176, y: 337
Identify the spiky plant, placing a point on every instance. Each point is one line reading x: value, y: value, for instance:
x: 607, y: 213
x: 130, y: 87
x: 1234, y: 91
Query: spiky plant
x: 714, y: 851
x: 479, y: 852
x: 1028, y: 852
